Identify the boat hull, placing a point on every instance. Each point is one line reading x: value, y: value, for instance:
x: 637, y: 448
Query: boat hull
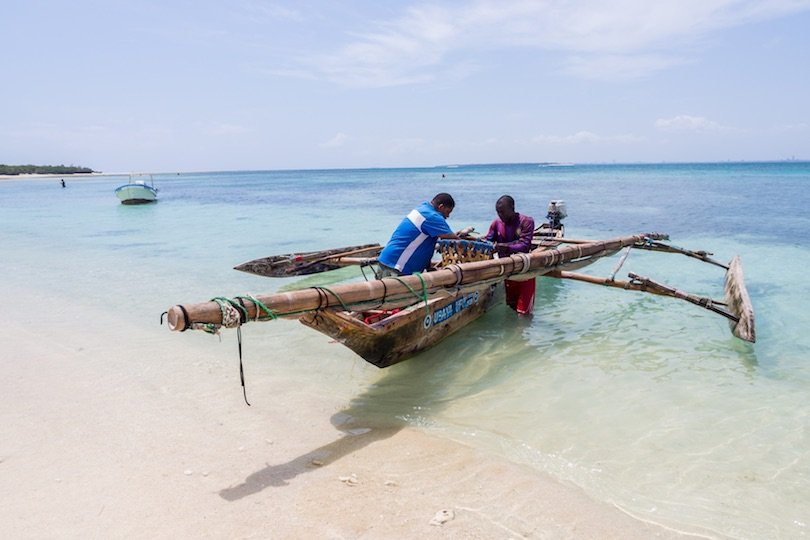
x: 136, y: 194
x: 410, y: 331
x: 311, y: 262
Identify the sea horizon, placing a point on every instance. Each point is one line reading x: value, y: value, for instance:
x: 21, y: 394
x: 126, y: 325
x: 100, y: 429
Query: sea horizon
x: 423, y: 167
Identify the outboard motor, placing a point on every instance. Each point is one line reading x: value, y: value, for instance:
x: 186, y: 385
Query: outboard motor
x: 556, y: 213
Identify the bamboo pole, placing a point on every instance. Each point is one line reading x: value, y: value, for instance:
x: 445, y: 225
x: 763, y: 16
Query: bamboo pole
x: 666, y: 248
x: 740, y: 314
x: 647, y: 285
x: 295, y: 302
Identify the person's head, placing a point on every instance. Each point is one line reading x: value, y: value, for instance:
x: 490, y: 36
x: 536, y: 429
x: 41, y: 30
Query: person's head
x: 444, y: 204
x: 505, y: 207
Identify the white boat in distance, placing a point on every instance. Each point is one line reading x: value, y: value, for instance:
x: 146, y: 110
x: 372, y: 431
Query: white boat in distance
x: 137, y: 191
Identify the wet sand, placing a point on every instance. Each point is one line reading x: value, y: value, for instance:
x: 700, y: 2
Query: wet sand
x: 99, y: 440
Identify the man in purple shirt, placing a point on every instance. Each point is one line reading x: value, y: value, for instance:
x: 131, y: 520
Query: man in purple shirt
x: 512, y: 233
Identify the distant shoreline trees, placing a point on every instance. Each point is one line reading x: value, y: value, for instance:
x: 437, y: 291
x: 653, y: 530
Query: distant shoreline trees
x: 43, y: 169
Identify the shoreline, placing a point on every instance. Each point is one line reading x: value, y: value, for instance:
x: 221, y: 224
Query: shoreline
x: 37, y: 176
x: 57, y: 176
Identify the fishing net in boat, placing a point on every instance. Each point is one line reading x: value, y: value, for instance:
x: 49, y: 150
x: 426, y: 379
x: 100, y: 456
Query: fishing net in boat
x: 462, y: 251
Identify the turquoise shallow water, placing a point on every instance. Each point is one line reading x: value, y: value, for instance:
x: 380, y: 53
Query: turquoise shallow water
x: 646, y: 403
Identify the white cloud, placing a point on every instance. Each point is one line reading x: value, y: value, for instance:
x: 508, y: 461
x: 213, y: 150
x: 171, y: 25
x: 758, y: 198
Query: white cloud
x: 687, y: 123
x: 617, y: 39
x: 336, y: 141
x: 584, y: 137
x: 397, y: 53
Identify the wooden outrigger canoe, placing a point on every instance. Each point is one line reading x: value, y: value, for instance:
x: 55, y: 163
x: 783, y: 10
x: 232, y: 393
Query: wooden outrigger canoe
x: 386, y: 321
x: 312, y: 262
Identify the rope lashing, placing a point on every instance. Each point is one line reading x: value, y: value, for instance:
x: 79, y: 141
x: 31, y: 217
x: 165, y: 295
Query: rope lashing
x: 424, y: 295
x: 385, y: 291
x: 324, y: 290
x: 270, y: 314
x: 458, y: 272
x: 186, y: 320
x: 424, y: 287
x: 524, y: 257
x: 323, y: 300
x: 233, y: 313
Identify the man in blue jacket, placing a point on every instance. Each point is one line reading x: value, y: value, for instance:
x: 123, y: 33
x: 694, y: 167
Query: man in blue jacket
x: 411, y: 247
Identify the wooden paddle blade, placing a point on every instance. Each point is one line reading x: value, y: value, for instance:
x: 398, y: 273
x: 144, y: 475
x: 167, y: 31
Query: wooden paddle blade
x: 308, y: 262
x: 738, y: 302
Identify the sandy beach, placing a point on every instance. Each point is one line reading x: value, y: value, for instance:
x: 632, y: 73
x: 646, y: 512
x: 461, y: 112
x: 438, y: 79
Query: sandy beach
x: 99, y: 443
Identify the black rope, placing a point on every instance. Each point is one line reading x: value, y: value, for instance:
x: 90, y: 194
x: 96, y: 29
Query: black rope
x: 161, y: 317
x: 186, y: 320
x: 241, y: 369
x: 321, y: 295
x: 385, y: 294
x: 243, y: 313
x: 333, y: 293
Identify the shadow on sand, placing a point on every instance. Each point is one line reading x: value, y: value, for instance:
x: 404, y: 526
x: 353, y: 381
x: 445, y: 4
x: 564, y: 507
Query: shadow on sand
x: 413, y: 391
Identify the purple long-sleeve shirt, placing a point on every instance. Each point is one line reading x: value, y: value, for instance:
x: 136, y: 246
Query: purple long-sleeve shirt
x: 512, y: 237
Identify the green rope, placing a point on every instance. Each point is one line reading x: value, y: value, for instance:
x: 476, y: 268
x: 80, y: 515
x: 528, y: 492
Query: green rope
x: 208, y: 328
x: 424, y: 295
x: 233, y: 313
x: 260, y: 306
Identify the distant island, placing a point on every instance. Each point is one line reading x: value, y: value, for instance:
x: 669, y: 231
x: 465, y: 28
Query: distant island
x: 12, y: 170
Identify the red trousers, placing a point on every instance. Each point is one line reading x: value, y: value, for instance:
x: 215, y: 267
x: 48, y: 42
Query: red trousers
x: 520, y: 295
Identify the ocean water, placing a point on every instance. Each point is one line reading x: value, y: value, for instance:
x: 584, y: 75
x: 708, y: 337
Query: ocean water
x: 645, y: 403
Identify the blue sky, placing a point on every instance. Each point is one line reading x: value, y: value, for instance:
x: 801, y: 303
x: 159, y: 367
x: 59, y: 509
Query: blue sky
x: 199, y: 85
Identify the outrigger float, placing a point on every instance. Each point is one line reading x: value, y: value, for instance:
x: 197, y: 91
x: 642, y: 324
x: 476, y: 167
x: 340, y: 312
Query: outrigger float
x: 386, y: 321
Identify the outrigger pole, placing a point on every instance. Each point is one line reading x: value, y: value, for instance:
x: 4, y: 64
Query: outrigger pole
x: 406, y: 290
x: 396, y: 290
x: 736, y: 306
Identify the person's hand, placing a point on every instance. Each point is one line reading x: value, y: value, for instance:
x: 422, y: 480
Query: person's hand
x: 465, y: 232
